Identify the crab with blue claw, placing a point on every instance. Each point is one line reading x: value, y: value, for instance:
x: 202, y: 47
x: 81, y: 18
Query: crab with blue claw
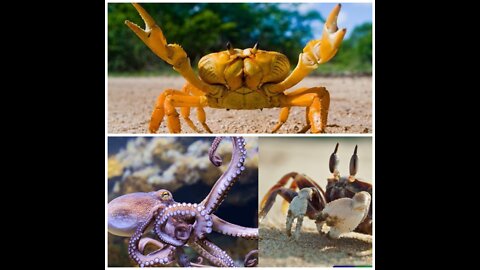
x: 178, y: 225
x: 345, y: 206
x: 239, y: 79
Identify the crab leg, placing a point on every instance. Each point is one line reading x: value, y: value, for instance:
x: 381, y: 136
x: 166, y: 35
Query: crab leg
x: 307, y: 126
x: 316, y: 52
x: 201, y: 116
x: 282, y: 182
x: 173, y: 101
x: 166, y: 103
x: 282, y: 118
x: 185, y: 113
x: 317, y: 202
x: 317, y: 100
x: 285, y: 193
x: 173, y: 54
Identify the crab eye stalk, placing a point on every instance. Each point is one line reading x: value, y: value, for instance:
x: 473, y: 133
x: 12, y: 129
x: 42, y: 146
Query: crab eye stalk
x: 353, y: 165
x: 230, y: 48
x: 333, y: 162
x: 255, y: 48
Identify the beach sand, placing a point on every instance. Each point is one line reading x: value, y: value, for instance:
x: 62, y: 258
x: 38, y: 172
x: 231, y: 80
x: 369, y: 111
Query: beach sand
x: 131, y: 101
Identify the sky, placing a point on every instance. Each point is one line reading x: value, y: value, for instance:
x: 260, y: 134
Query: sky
x: 351, y: 14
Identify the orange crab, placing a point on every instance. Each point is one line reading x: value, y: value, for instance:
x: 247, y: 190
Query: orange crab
x: 241, y: 79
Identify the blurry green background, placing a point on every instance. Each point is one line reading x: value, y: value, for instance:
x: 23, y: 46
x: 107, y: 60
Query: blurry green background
x: 202, y: 28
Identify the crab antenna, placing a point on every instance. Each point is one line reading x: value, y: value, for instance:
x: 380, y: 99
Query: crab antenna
x: 353, y: 165
x: 230, y: 48
x: 333, y: 162
x: 255, y: 48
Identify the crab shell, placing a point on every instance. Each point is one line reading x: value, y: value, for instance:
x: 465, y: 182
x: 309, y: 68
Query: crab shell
x: 236, y: 68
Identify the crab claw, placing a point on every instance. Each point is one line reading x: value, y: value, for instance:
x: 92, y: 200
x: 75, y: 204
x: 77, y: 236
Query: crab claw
x: 153, y: 37
x: 325, y: 48
x: 332, y: 37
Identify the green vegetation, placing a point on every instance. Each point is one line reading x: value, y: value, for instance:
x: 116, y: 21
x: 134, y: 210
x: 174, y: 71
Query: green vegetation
x: 355, y: 55
x: 203, y: 28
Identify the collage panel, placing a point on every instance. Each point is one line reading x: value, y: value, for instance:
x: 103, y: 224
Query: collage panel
x: 313, y: 193
x: 182, y: 201
x: 240, y: 68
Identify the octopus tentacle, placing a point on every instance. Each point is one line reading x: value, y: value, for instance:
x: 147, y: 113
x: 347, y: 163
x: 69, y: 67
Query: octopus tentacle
x: 158, y: 257
x: 183, y: 261
x: 215, y: 159
x: 199, y: 263
x: 227, y: 228
x: 212, y: 253
x: 202, y: 226
x: 147, y: 240
x: 229, y: 177
x: 250, y: 259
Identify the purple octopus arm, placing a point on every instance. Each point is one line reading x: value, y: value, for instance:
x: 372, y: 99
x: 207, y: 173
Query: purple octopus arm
x: 163, y: 256
x: 181, y: 232
x: 227, y: 228
x: 229, y: 177
x: 212, y: 253
x: 215, y: 159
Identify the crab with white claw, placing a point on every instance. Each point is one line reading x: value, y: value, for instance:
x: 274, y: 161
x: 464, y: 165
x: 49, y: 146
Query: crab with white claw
x: 342, y: 215
x: 241, y: 79
x: 345, y: 206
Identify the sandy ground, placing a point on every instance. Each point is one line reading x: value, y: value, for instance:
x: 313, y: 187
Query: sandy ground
x: 309, y: 156
x: 131, y: 100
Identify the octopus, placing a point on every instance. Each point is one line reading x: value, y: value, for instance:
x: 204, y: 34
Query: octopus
x: 181, y: 224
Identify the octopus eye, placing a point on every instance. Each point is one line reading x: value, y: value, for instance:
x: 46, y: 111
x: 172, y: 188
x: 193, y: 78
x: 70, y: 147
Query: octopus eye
x: 165, y: 195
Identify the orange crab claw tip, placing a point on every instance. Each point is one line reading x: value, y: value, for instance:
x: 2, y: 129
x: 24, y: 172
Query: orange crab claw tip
x: 149, y: 22
x: 331, y: 22
x: 135, y: 28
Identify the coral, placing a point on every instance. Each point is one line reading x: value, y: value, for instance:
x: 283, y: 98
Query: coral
x: 115, y: 168
x: 150, y: 164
